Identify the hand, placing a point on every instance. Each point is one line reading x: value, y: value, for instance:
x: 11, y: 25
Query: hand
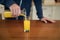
x: 15, y: 9
x: 45, y: 20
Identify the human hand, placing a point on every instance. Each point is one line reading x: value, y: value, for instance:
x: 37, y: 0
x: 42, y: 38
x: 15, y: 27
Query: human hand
x: 15, y: 10
x: 46, y: 20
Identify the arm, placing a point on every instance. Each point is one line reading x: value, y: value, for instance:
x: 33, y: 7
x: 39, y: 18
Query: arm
x: 38, y: 4
x: 8, y: 3
x: 14, y: 8
x: 1, y: 1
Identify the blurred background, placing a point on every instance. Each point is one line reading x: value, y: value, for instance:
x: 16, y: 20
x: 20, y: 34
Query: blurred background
x: 51, y: 9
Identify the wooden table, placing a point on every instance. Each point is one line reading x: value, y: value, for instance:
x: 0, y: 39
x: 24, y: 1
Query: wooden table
x: 13, y: 30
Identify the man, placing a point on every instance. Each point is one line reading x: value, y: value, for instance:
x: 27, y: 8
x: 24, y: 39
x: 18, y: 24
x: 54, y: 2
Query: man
x: 11, y: 4
x: 38, y: 4
x: 14, y: 6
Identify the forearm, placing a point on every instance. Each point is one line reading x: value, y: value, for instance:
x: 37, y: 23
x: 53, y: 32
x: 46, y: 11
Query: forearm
x: 8, y: 3
x: 40, y: 13
x: 1, y: 1
x: 38, y: 4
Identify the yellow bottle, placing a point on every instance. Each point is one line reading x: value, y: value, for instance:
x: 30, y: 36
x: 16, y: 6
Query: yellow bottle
x: 26, y: 22
x: 26, y: 25
x: 7, y: 14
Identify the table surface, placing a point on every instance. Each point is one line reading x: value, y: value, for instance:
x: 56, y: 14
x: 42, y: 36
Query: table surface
x: 14, y: 30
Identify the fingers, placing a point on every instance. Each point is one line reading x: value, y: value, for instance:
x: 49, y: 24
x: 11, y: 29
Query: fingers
x: 14, y: 12
x: 15, y: 9
x: 52, y: 21
x: 46, y: 20
x: 18, y: 11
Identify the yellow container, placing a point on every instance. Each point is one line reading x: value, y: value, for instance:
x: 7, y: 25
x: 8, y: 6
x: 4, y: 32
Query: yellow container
x: 26, y: 25
x: 7, y: 14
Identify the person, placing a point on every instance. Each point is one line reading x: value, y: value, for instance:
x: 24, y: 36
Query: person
x: 14, y: 6
x: 38, y: 5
